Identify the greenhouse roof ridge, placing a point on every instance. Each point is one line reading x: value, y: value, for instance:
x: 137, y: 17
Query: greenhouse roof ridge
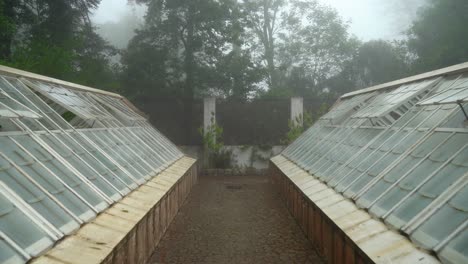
x: 5, y: 70
x: 454, y: 69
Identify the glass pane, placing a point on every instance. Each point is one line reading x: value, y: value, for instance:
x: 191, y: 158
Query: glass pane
x: 444, y: 221
x: 59, y: 169
x: 19, y: 228
x: 45, y: 178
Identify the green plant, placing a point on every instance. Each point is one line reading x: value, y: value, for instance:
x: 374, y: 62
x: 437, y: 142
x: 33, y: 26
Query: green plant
x: 302, y: 123
x: 221, y: 159
x: 212, y: 136
x: 217, y: 156
x: 297, y: 127
x: 68, y: 116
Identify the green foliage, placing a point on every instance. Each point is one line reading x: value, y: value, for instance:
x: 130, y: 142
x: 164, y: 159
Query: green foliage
x: 226, y: 48
x: 297, y: 127
x: 303, y: 43
x: 222, y: 159
x: 379, y: 62
x: 56, y: 38
x: 212, y: 137
x: 233, y: 48
x: 42, y: 58
x: 190, y: 49
x: 373, y: 62
x: 68, y: 116
x: 438, y: 37
x: 218, y: 156
x: 7, y: 28
x: 302, y: 123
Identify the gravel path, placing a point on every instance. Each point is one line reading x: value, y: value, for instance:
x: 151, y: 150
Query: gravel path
x: 234, y: 220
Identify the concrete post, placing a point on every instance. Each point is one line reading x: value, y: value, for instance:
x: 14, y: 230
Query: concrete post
x: 297, y: 110
x: 209, y: 112
x: 209, y: 119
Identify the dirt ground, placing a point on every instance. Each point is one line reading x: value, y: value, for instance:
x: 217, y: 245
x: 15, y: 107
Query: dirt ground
x: 234, y: 220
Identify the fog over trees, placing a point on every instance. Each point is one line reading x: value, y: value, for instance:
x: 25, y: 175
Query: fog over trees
x: 240, y: 49
x: 119, y: 33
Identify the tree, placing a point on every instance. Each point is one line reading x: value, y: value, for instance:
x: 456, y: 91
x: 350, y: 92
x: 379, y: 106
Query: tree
x: 303, y: 44
x: 374, y: 62
x: 238, y: 75
x: 185, y: 40
x: 438, y: 37
x: 202, y: 45
x: 7, y: 27
x: 378, y: 62
x: 56, y: 38
x: 263, y: 18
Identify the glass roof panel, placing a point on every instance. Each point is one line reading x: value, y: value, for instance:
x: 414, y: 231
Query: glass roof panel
x: 458, y: 92
x: 457, y: 249
x: 444, y: 222
x: 408, y: 168
x: 17, y: 225
x: 346, y: 108
x: 68, y: 99
x: 8, y: 254
x: 54, y: 177
x: 119, y: 105
x: 384, y: 103
x: 35, y: 195
x: 61, y: 170
x: 12, y: 108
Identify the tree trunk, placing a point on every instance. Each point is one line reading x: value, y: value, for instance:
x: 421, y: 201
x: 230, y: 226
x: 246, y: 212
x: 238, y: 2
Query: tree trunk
x: 268, y: 42
x: 270, y: 59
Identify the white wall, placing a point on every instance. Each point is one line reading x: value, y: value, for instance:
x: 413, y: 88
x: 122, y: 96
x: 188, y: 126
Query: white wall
x: 242, y: 155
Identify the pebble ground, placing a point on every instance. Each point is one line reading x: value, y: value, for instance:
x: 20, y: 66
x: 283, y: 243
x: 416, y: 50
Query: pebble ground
x: 235, y: 219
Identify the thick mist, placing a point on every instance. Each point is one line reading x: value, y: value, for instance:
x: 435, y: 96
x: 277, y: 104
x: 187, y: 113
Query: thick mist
x: 116, y: 20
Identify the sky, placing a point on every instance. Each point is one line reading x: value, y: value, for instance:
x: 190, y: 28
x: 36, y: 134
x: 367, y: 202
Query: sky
x: 369, y: 19
x: 113, y: 10
x: 376, y: 19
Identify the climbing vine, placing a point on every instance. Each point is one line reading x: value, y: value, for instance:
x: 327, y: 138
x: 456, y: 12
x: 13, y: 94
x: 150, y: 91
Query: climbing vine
x: 302, y: 123
x: 218, y: 156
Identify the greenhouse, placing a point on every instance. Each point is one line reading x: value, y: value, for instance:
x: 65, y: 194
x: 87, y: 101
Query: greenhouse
x: 383, y: 175
x: 67, y: 154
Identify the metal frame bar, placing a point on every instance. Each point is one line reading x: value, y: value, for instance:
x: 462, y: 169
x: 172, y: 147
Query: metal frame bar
x: 400, y: 158
x: 67, y: 165
x: 40, y: 187
x: 436, y: 204
x: 409, y: 132
x: 55, y: 176
x: 82, y: 160
x: 15, y: 246
x: 424, y: 181
x: 71, y: 130
x: 392, y: 128
x: 415, y: 166
x: 44, y: 225
x: 449, y: 238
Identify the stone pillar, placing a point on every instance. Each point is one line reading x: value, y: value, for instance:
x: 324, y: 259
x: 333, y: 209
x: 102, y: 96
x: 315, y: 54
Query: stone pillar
x: 209, y: 119
x: 209, y: 112
x: 297, y: 109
